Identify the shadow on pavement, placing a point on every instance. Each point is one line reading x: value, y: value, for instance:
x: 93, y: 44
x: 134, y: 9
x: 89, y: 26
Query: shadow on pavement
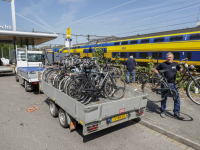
x: 169, y: 113
x: 6, y: 74
x: 153, y: 107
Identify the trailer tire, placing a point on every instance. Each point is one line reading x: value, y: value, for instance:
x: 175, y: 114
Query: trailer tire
x: 25, y: 86
x: 16, y: 77
x: 53, y: 109
x: 63, y: 118
x: 27, y: 89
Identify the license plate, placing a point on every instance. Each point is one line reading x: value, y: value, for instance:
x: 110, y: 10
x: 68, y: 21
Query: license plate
x: 113, y: 119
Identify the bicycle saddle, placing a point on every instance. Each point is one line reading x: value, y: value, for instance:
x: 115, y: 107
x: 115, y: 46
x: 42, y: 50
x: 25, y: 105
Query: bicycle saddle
x: 161, y: 71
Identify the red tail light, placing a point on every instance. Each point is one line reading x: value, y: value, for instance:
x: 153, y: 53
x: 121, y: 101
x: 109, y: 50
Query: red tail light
x: 34, y: 83
x: 66, y: 74
x: 140, y: 112
x: 92, y: 127
x: 147, y: 73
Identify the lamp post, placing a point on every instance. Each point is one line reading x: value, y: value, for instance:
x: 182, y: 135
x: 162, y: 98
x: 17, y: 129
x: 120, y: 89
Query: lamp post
x: 13, y: 13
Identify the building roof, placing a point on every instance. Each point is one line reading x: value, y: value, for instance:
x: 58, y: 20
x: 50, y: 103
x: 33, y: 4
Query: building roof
x: 25, y: 38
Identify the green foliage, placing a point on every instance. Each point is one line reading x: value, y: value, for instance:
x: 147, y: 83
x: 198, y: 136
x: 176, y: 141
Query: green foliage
x: 150, y: 64
x: 5, y: 48
x: 99, y: 52
x: 139, y: 69
x: 117, y: 62
x: 179, y: 76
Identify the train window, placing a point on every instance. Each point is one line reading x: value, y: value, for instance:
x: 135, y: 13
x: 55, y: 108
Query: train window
x: 160, y: 39
x: 194, y: 36
x: 90, y: 50
x: 116, y: 43
x: 156, y: 55
x: 145, y: 41
x: 114, y: 54
x: 177, y: 55
x: 123, y: 55
x: 132, y: 54
x: 105, y: 50
x: 143, y: 55
x: 133, y: 42
x: 78, y: 46
x: 124, y: 43
x: 189, y: 55
x: 176, y: 38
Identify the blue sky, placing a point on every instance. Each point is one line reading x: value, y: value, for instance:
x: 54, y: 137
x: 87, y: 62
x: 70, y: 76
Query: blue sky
x: 101, y: 17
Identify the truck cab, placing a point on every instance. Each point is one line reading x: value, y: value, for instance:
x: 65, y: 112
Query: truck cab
x: 27, y: 68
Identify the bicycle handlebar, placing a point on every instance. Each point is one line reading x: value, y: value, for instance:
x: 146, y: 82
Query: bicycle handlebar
x: 185, y: 59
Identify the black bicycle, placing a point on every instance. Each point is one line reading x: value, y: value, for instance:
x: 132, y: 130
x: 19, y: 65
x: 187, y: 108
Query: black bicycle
x: 158, y: 87
x: 94, y: 84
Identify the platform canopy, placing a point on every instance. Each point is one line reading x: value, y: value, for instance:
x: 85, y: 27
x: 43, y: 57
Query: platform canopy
x: 25, y: 38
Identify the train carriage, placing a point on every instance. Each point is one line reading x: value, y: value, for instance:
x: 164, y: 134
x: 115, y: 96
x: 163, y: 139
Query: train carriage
x: 182, y: 43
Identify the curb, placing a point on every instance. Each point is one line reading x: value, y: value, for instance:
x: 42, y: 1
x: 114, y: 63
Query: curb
x: 170, y: 134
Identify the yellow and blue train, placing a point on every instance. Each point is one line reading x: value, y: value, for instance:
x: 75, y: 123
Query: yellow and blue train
x: 183, y: 43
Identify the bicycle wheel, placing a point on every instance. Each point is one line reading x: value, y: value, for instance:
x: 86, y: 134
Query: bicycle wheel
x: 154, y: 88
x: 73, y: 89
x: 193, y: 90
x: 62, y: 83
x: 142, y: 78
x: 115, y: 87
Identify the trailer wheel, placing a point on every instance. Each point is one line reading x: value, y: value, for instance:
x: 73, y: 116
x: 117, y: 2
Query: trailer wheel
x: 53, y: 109
x: 27, y: 86
x: 63, y: 118
x: 16, y: 78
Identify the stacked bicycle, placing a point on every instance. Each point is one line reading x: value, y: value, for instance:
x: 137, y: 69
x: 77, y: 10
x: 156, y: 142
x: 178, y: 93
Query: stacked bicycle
x: 158, y: 89
x: 85, y: 80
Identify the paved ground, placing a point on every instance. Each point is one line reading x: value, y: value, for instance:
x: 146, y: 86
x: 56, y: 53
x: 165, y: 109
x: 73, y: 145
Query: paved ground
x: 188, y: 129
x: 20, y: 130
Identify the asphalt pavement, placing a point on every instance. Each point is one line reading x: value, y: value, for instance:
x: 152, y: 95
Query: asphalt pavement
x: 21, y: 130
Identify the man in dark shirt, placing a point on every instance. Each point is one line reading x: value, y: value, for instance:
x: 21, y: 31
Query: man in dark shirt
x: 130, y: 63
x: 170, y: 75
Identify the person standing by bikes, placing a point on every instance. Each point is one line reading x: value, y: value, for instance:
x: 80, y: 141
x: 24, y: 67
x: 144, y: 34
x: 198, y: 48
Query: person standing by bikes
x: 170, y: 75
x: 130, y: 65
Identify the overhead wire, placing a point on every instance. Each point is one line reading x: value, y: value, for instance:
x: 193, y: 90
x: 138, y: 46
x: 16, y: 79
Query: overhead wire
x: 148, y: 24
x: 181, y: 8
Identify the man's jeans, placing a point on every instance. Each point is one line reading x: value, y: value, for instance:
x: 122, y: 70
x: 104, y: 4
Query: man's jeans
x: 177, y: 102
x: 128, y: 74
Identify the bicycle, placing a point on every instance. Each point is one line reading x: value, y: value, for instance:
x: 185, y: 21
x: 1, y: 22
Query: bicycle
x: 158, y: 88
x: 86, y: 87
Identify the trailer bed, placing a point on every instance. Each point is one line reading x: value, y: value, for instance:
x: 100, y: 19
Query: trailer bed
x: 102, y: 112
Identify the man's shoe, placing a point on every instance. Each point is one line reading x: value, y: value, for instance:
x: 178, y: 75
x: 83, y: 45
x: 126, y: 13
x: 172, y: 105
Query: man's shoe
x: 162, y: 114
x: 178, y: 116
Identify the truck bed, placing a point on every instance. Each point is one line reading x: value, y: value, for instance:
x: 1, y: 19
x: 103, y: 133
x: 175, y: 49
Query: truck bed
x: 29, y: 73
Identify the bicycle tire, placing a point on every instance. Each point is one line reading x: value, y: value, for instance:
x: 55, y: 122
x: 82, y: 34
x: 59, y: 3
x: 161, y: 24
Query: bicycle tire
x: 152, y: 87
x: 62, y: 83
x: 113, y: 86
x: 73, y: 89
x: 193, y: 92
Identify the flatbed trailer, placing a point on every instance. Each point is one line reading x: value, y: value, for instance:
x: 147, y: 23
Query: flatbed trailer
x: 28, y: 76
x: 97, y: 115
